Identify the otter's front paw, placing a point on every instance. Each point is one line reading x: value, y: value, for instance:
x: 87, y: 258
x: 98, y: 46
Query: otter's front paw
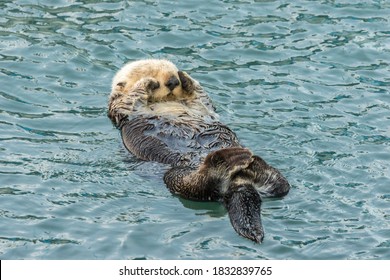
x: 186, y: 82
x: 148, y: 84
x: 227, y: 162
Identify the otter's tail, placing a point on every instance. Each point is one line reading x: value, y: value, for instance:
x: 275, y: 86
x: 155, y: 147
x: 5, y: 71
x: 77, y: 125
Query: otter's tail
x: 243, y: 205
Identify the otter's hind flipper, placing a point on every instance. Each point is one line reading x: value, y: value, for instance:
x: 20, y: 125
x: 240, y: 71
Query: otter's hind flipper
x: 210, y: 180
x: 243, y: 205
x: 241, y: 201
x: 267, y: 180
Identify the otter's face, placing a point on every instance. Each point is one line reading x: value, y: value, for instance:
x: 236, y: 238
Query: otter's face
x: 169, y: 88
x: 170, y: 84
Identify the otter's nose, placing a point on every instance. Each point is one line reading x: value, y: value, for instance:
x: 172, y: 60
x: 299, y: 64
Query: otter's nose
x: 172, y: 82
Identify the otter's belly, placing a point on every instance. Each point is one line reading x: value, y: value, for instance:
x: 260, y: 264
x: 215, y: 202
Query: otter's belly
x: 186, y: 136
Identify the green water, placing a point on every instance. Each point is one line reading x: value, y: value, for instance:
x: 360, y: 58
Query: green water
x: 304, y: 84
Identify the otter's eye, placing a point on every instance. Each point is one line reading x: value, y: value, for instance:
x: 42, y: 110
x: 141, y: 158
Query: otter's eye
x: 172, y: 83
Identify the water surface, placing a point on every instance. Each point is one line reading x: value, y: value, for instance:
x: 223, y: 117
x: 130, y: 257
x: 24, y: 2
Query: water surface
x: 304, y: 84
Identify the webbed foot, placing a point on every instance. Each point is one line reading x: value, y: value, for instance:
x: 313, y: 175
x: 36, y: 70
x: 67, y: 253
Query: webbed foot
x: 243, y: 205
x: 268, y: 181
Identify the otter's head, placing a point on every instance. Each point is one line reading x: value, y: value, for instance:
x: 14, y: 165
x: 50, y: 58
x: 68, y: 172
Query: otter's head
x: 172, y: 83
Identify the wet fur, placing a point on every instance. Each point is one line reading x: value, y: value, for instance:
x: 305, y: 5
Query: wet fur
x: 164, y: 115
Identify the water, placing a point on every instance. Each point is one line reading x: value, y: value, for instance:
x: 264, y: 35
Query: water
x: 304, y: 84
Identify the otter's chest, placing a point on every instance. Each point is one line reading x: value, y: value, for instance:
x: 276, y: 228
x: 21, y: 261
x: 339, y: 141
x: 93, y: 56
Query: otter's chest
x: 187, y: 134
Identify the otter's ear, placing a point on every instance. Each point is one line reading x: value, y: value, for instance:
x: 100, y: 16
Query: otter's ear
x: 187, y: 83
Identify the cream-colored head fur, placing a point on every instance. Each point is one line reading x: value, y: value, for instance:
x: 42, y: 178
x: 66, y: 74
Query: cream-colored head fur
x: 163, y: 71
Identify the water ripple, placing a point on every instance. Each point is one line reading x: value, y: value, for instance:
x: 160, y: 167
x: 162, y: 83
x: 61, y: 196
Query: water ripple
x: 304, y: 84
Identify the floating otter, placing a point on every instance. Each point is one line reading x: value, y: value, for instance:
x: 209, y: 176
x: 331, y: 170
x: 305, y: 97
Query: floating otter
x: 165, y: 116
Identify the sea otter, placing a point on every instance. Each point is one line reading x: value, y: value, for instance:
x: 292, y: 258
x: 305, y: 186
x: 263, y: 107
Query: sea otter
x: 164, y: 115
